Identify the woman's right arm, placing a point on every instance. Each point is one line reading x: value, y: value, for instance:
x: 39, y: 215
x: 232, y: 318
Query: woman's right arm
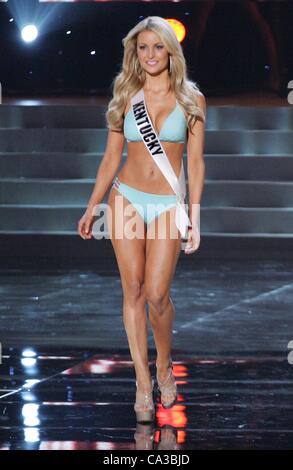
x: 105, y: 174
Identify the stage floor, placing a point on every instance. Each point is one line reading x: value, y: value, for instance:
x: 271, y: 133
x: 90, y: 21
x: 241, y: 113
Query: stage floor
x: 67, y: 378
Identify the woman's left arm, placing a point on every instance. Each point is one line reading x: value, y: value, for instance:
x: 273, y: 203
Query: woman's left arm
x: 196, y: 175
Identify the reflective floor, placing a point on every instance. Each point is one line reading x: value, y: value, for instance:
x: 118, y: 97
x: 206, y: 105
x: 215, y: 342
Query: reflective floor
x: 67, y: 378
x: 83, y: 399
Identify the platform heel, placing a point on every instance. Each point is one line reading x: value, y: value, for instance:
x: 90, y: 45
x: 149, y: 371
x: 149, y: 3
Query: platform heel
x: 167, y: 387
x: 144, y: 405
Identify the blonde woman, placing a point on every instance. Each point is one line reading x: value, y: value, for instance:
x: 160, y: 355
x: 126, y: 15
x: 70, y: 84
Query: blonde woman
x: 153, y: 61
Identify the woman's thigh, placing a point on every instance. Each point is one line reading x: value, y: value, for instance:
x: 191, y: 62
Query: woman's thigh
x: 161, y: 257
x: 129, y: 249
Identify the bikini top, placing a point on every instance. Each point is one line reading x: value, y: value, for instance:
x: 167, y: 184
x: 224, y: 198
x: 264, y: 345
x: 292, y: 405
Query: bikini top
x: 173, y: 129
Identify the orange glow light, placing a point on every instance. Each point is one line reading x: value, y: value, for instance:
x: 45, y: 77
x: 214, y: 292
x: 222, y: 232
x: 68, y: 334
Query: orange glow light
x: 178, y: 27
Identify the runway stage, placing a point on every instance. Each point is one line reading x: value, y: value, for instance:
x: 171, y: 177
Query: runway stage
x: 62, y: 328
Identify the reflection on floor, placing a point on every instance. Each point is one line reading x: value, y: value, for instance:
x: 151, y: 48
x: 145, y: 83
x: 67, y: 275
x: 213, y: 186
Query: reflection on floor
x: 58, y: 398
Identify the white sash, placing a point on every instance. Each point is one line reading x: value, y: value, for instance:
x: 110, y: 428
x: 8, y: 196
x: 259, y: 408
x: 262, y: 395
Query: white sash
x: 153, y: 144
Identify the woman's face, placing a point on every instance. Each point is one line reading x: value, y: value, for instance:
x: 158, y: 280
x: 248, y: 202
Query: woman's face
x: 151, y: 52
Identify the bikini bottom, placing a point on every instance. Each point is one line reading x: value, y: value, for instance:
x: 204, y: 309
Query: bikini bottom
x: 149, y: 205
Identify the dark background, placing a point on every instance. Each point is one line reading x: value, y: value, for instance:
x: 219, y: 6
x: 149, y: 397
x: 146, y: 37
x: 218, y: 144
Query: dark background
x: 230, y: 57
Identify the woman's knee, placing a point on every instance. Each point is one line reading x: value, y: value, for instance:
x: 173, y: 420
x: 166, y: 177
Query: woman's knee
x: 157, y: 299
x: 133, y: 290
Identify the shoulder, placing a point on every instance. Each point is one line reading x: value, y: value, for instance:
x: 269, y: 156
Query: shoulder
x: 126, y: 109
x: 201, y: 101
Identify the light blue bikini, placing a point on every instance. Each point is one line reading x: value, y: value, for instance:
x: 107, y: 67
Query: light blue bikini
x: 150, y: 205
x: 173, y: 129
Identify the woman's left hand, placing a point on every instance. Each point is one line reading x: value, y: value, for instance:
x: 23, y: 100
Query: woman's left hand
x: 193, y: 240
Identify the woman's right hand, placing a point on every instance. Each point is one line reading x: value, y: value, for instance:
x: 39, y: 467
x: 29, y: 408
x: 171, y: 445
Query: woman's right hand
x: 85, y: 225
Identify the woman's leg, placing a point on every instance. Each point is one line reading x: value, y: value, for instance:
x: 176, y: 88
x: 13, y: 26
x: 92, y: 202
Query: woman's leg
x: 161, y: 259
x: 130, y: 254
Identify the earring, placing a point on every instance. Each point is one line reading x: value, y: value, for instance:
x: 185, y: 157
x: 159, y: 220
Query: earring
x: 170, y: 65
x: 138, y: 71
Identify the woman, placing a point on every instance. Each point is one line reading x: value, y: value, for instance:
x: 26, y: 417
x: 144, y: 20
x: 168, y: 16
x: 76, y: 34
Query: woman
x: 153, y: 61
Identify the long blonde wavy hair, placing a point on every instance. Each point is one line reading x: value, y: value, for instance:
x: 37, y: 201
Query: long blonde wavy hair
x: 131, y: 77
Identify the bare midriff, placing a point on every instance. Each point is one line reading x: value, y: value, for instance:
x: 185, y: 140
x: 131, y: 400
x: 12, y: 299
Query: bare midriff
x: 142, y: 173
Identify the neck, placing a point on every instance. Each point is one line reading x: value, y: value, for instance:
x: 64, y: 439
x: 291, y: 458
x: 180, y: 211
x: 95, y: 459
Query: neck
x: 157, y: 84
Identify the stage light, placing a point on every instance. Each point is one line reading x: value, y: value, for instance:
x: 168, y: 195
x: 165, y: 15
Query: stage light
x: 29, y: 33
x: 28, y: 353
x: 178, y: 27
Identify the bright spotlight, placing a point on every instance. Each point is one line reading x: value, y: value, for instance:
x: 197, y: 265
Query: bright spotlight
x: 29, y: 33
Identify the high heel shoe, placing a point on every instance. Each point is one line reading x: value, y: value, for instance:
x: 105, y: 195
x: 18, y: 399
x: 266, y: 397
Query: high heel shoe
x: 167, y: 387
x: 144, y: 404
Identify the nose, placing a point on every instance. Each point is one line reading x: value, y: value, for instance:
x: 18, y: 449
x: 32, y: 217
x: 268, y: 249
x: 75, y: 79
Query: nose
x: 151, y: 53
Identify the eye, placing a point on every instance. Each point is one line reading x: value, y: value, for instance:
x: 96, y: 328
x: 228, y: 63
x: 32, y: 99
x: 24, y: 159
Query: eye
x: 159, y: 46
